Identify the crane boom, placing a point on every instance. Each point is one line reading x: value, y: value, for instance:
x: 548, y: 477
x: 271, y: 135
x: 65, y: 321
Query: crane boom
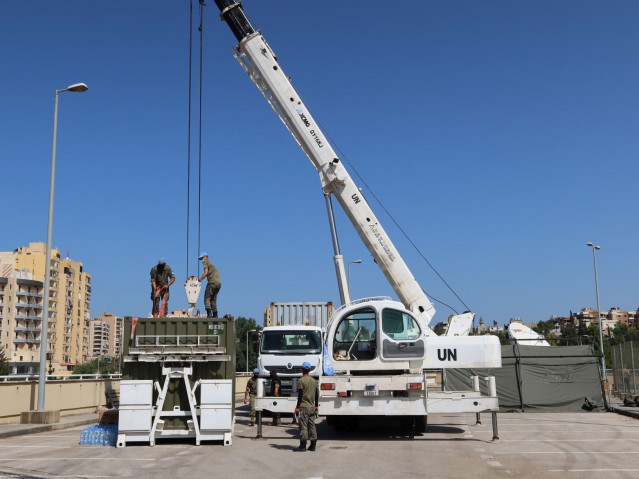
x: 260, y: 63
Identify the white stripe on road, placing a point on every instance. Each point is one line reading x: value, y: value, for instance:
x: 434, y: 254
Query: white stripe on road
x: 593, y: 470
x: 567, y: 452
x: 567, y: 440
x: 70, y: 459
x: 34, y: 447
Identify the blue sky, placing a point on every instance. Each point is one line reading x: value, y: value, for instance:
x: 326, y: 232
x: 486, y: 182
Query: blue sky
x: 501, y: 136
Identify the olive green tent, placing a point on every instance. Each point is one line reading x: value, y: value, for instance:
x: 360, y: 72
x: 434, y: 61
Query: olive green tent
x: 540, y: 378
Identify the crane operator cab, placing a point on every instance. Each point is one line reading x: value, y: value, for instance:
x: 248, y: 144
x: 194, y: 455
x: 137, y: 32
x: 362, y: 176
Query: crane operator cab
x: 375, y: 334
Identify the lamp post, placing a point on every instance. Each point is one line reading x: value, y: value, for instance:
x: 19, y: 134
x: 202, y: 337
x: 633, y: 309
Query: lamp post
x: 247, y: 348
x: 358, y: 261
x: 603, y: 356
x: 76, y: 87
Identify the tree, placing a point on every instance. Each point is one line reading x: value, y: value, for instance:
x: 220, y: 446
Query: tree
x: 242, y: 326
x: 544, y: 328
x: 97, y: 365
x: 5, y: 370
x: 568, y: 335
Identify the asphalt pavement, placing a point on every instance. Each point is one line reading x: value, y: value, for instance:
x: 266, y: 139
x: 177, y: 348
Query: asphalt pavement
x: 530, y: 445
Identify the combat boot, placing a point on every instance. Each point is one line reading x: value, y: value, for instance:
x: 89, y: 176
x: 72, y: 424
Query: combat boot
x: 312, y: 446
x: 214, y: 314
x: 209, y: 313
x: 302, y: 446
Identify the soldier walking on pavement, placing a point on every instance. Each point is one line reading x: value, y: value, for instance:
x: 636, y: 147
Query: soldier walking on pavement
x: 250, y: 393
x: 213, y: 285
x: 160, y: 283
x: 276, y: 387
x: 307, y: 407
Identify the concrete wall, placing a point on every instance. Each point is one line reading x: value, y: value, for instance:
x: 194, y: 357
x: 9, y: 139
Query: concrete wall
x: 68, y: 397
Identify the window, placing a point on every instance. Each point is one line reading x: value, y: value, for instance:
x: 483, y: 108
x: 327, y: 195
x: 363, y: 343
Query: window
x: 355, y: 337
x: 291, y: 342
x: 399, y: 326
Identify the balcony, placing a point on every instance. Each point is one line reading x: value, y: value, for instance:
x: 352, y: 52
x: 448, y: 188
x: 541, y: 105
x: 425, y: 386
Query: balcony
x: 22, y: 328
x: 36, y: 307
x: 28, y: 294
x: 28, y: 341
x: 28, y: 317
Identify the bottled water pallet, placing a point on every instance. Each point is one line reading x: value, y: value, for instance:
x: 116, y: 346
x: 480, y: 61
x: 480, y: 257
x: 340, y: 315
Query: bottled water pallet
x: 100, y: 435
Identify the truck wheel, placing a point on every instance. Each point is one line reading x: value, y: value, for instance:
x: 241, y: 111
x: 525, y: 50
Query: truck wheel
x: 408, y: 424
x: 420, y: 426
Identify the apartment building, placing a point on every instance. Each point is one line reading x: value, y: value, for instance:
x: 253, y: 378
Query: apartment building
x: 21, y: 302
x: 69, y: 302
x: 106, y: 334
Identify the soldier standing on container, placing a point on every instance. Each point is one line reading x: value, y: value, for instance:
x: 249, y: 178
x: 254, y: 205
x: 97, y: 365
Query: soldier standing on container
x: 307, y: 407
x: 213, y: 285
x: 276, y: 387
x: 251, y: 392
x: 160, y: 283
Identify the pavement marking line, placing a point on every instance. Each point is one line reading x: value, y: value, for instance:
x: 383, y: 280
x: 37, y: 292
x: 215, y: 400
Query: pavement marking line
x: 569, y: 452
x: 71, y: 459
x: 35, y: 447
x: 568, y: 440
x: 593, y: 470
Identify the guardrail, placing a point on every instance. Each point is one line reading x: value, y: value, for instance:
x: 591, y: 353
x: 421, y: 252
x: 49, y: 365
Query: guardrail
x: 58, y: 377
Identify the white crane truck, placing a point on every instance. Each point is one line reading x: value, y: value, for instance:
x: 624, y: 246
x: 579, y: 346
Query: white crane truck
x: 378, y: 348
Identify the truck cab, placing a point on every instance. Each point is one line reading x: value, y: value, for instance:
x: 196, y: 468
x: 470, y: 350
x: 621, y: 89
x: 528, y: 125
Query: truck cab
x: 284, y: 349
x: 375, y: 334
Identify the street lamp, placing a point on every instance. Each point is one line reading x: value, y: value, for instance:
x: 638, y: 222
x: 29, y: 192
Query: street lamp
x: 76, y: 87
x: 349, y: 274
x: 247, y: 348
x: 601, y: 345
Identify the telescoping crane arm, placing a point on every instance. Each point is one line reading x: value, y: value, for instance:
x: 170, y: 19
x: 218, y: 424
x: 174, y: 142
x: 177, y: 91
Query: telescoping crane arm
x: 260, y: 63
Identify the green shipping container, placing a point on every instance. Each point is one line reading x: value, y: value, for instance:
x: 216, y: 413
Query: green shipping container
x: 205, y: 344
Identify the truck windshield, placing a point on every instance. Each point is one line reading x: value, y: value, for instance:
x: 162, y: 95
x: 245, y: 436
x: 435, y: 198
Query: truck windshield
x: 291, y: 342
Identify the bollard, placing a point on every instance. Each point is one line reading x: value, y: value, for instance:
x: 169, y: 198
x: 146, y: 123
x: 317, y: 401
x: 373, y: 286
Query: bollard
x: 476, y: 383
x: 258, y: 413
x: 492, y: 386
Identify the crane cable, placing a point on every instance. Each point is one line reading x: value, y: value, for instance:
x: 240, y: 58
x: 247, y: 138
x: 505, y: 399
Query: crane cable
x: 188, y: 149
x: 398, y: 226
x: 199, y: 171
x: 190, y: 101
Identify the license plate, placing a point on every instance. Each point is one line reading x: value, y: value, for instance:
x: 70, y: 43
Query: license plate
x: 371, y: 391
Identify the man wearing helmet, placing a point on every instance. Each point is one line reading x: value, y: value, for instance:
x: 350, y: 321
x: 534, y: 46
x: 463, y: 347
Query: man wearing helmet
x: 307, y: 407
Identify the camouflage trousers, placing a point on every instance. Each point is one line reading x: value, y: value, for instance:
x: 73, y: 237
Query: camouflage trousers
x: 210, y: 295
x: 307, y: 424
x: 252, y: 406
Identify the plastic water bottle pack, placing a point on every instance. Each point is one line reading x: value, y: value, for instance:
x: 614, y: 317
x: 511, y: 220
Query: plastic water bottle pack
x: 100, y: 435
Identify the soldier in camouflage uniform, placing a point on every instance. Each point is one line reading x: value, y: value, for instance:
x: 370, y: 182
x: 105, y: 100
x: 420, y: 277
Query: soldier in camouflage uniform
x: 250, y: 393
x: 213, y: 285
x: 307, y: 407
x: 276, y: 387
x: 160, y: 283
